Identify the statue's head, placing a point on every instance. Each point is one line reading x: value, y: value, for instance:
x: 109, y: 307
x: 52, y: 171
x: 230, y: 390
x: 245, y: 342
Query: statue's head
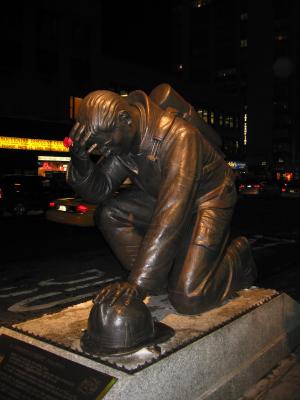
x: 110, y: 120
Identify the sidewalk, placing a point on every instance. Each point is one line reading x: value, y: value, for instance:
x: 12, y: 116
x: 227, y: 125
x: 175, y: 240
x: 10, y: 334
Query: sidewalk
x: 282, y: 383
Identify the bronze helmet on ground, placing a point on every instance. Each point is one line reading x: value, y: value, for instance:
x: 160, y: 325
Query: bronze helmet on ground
x: 122, y: 329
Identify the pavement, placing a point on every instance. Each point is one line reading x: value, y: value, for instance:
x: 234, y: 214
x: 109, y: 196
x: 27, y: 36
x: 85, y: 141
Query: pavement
x: 281, y: 249
x: 282, y: 383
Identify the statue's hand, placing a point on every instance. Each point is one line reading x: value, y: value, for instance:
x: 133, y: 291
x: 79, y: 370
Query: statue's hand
x: 114, y: 291
x: 78, y: 138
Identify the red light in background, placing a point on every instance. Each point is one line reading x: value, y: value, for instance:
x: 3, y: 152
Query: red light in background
x: 283, y: 189
x: 288, y: 176
x: 46, y: 166
x: 81, y: 208
x: 256, y: 186
x: 242, y: 186
x: 52, y: 204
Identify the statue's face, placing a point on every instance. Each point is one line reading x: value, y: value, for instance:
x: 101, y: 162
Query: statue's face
x: 118, y: 140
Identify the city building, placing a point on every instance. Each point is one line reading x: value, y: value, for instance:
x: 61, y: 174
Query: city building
x: 234, y: 60
x: 53, y: 54
x: 244, y: 55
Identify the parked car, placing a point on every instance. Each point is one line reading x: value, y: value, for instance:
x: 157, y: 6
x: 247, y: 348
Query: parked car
x: 71, y: 211
x: 20, y: 194
x: 291, y: 189
x: 257, y: 187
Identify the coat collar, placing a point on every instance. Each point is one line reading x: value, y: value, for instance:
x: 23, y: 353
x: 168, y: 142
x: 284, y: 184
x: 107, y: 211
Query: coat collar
x: 155, y: 122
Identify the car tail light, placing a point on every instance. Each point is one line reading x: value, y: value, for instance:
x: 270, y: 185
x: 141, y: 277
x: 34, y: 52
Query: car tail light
x: 52, y: 204
x: 1, y: 194
x: 257, y: 186
x: 242, y: 186
x: 283, y: 189
x: 81, y: 208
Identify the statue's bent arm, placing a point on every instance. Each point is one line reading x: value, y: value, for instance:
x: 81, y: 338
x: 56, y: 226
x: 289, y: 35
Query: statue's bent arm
x: 100, y: 181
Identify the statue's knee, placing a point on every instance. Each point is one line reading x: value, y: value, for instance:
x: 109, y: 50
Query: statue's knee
x: 104, y: 215
x: 182, y: 303
x: 189, y: 304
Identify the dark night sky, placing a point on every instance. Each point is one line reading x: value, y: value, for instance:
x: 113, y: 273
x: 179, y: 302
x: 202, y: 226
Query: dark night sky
x: 141, y: 31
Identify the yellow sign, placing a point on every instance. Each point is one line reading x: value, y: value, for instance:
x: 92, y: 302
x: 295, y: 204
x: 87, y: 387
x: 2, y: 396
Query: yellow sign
x: 16, y: 143
x: 232, y: 164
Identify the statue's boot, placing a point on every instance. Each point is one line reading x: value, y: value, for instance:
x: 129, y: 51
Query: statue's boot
x: 241, y: 255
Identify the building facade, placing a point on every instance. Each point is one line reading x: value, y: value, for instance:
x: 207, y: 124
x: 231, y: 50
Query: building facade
x: 244, y: 55
x: 234, y: 60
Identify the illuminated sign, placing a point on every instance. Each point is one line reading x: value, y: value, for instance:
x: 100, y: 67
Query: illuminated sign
x: 16, y: 143
x: 53, y: 158
x: 237, y: 165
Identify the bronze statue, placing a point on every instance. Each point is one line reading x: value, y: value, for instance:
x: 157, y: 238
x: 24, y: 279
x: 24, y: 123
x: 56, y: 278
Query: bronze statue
x: 171, y: 228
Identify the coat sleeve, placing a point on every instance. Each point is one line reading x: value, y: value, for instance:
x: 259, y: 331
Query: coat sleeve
x: 99, y: 181
x: 181, y: 163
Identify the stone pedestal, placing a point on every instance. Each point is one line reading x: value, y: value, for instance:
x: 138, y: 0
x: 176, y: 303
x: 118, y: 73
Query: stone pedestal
x: 216, y: 355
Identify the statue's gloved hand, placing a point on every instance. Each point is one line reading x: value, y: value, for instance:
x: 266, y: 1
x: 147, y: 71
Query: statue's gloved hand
x: 79, y: 136
x: 114, y: 291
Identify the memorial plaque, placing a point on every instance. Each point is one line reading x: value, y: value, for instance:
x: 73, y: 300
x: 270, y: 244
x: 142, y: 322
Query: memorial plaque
x: 28, y: 372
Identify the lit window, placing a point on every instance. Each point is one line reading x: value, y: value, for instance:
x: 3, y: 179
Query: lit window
x: 205, y: 116
x: 199, y: 3
x: 221, y: 120
x: 245, y: 130
x: 288, y: 176
x: 123, y: 93
x: 212, y: 117
x: 244, y: 43
x: 231, y: 122
x: 281, y: 38
x: 226, y: 73
x: 200, y: 112
x: 244, y: 16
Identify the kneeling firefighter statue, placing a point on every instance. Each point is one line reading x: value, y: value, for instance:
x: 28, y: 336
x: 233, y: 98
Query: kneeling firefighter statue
x: 170, y: 229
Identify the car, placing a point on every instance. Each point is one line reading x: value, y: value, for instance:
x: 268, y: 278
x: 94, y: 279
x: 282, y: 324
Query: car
x: 71, y: 211
x: 22, y: 194
x: 291, y: 189
x: 258, y: 187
